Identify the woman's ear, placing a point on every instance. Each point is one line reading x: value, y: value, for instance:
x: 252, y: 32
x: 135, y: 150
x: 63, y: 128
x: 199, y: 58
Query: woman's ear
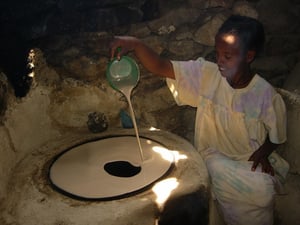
x: 250, y: 55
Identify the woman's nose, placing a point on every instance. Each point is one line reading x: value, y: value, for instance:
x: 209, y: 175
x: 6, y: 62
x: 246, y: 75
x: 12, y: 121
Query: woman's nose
x: 220, y: 61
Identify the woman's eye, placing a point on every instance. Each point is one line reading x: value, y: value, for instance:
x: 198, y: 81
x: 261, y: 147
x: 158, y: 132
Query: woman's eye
x: 227, y: 56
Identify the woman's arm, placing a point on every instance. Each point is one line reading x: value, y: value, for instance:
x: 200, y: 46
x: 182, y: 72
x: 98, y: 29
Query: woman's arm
x: 149, y: 59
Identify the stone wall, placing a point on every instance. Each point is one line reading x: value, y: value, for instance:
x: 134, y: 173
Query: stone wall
x: 69, y: 81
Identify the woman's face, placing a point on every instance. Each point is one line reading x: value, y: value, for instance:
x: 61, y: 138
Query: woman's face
x: 231, y: 57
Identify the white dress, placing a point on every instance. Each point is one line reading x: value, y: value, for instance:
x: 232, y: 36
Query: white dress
x: 230, y: 125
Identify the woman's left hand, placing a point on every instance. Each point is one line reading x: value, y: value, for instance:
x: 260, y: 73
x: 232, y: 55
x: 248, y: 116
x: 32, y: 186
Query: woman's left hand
x: 260, y: 156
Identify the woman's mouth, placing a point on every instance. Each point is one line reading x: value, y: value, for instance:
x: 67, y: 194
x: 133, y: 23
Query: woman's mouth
x: 222, y: 70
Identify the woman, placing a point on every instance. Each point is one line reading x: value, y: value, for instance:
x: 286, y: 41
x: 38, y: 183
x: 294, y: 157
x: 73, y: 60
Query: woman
x: 240, y: 118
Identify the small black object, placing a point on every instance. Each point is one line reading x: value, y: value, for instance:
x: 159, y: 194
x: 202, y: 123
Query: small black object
x: 97, y: 122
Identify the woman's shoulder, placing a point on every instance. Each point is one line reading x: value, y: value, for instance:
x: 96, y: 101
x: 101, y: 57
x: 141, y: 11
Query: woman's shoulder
x: 260, y: 83
x: 198, y: 68
x: 199, y: 62
x: 263, y: 89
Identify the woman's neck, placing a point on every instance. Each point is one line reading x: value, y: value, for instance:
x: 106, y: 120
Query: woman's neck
x: 241, y: 81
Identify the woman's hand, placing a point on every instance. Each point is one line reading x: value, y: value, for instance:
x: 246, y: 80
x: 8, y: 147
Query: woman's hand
x: 260, y: 156
x: 121, y: 45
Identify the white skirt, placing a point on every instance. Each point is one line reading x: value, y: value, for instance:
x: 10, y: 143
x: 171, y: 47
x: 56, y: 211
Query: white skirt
x: 244, y: 196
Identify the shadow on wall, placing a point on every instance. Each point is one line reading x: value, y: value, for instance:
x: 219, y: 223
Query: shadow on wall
x: 22, y: 23
x: 14, y: 61
x: 186, y: 210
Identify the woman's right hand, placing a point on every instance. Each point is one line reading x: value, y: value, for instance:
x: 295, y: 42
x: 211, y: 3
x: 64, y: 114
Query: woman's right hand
x: 121, y: 45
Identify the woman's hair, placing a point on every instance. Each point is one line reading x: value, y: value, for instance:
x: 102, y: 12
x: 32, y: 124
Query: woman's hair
x: 249, y: 30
